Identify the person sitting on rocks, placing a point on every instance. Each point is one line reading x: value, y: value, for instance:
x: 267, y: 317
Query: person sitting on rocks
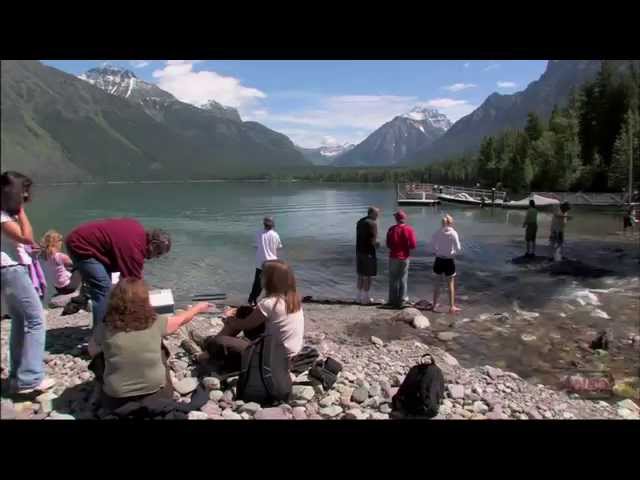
x: 133, y: 363
x: 279, y: 313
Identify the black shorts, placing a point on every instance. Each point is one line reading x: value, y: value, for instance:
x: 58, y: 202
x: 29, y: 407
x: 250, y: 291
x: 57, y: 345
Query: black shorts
x: 444, y: 266
x: 530, y: 233
x: 366, y: 264
x: 557, y: 238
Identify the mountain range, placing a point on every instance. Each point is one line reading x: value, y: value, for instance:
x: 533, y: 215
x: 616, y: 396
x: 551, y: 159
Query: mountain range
x: 109, y: 125
x: 500, y: 112
x: 404, y: 135
x: 325, y: 155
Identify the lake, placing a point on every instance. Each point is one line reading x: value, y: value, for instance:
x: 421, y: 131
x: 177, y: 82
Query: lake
x: 213, y: 226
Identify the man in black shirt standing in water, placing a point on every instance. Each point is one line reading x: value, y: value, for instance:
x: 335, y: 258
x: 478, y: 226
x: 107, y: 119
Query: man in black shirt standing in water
x: 366, y: 261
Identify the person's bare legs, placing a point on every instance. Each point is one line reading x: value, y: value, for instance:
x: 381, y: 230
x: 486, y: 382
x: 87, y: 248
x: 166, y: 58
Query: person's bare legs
x: 366, y: 286
x: 360, y: 288
x: 452, y: 295
x: 436, y: 292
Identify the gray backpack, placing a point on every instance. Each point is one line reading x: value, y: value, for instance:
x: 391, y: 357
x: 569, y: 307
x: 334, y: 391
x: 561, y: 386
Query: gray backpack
x: 264, y: 376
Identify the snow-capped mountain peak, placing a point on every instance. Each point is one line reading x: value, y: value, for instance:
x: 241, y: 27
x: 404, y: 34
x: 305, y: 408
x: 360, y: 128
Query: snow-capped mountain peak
x: 429, y: 115
x: 333, y: 150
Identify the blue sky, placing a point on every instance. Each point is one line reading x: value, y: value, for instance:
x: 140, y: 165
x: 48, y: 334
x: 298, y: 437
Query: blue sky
x: 327, y: 102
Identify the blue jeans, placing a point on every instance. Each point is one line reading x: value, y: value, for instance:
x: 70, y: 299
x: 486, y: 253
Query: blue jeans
x: 98, y: 280
x: 398, y: 278
x: 26, y: 345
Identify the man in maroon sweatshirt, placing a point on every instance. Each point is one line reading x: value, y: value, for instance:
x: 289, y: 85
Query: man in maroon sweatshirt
x: 102, y: 247
x: 401, y: 239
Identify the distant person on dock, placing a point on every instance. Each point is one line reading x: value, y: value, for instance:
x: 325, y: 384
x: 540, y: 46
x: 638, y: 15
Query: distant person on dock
x: 401, y: 239
x: 102, y: 247
x: 60, y: 264
x: 267, y: 244
x: 629, y: 220
x: 445, y: 243
x: 366, y: 260
x: 531, y: 225
x: 558, y: 222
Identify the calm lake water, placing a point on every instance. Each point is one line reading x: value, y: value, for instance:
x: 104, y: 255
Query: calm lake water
x: 213, y: 227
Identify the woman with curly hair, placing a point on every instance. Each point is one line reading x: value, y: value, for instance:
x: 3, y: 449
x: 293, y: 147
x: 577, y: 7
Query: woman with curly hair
x: 134, y: 363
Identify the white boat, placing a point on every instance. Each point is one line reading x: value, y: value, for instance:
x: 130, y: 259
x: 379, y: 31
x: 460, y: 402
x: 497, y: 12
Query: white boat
x: 466, y: 199
x: 541, y: 202
x: 418, y: 198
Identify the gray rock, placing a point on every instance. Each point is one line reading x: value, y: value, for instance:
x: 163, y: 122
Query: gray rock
x: 302, y: 392
x: 456, y: 391
x: 216, y: 395
x: 447, y: 336
x: 46, y: 401
x: 186, y: 385
x: 348, y: 376
x: 377, y: 342
x: 196, y: 415
x: 407, y: 315
x: 299, y: 413
x: 492, y: 372
x: 533, y: 414
x: 420, y: 322
x: 359, y: 395
x: 379, y: 416
x: 527, y: 337
x: 385, y: 408
x: 480, y: 407
x: 330, y: 399
x: 450, y: 359
x: 375, y: 390
x: 299, y: 403
x: 356, y: 414
x: 629, y: 405
x: 229, y: 414
x: 212, y: 383
x: 250, y: 408
x: 60, y: 416
x: 273, y: 413
x: 397, y: 380
x: 211, y: 409
x: 332, y: 411
x: 627, y: 414
x: 7, y: 411
x: 373, y: 402
x: 228, y: 396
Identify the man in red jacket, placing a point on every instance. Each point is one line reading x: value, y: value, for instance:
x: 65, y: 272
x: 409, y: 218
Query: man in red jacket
x: 102, y: 247
x: 401, y: 239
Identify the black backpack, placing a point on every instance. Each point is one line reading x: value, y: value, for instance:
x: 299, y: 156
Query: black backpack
x: 421, y: 391
x: 264, y: 376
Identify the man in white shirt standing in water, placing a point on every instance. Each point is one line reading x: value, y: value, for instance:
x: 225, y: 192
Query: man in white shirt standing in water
x: 446, y: 244
x: 267, y: 242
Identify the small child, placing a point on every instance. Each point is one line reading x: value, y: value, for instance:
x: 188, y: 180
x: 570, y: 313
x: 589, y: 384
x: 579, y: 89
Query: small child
x: 65, y: 282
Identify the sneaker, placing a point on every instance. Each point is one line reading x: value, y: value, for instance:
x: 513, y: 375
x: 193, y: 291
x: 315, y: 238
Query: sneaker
x: 44, y: 385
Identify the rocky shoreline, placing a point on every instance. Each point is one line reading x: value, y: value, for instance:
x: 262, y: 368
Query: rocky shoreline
x: 373, y: 369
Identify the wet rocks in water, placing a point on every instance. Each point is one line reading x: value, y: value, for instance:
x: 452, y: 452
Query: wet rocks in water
x: 601, y: 342
x: 447, y: 336
x: 597, y: 313
x: 420, y: 322
x: 186, y: 385
x: 527, y: 337
x: 377, y: 342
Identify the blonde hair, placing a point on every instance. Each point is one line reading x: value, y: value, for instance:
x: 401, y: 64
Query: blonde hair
x: 447, y: 220
x: 50, y: 241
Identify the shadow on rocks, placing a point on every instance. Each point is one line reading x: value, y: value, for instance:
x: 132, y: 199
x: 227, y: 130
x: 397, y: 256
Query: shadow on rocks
x: 67, y: 340
x: 78, y: 401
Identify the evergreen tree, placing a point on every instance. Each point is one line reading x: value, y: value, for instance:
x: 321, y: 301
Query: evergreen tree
x: 534, y: 127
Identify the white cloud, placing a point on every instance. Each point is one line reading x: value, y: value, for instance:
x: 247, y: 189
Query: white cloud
x: 503, y: 84
x: 139, y: 63
x: 467, y: 65
x: 493, y: 66
x: 457, y: 87
x: 197, y: 88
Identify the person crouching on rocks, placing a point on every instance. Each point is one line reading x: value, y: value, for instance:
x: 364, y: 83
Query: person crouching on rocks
x: 446, y: 245
x: 102, y: 247
x: 279, y: 313
x: 133, y: 362
x: 60, y: 263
